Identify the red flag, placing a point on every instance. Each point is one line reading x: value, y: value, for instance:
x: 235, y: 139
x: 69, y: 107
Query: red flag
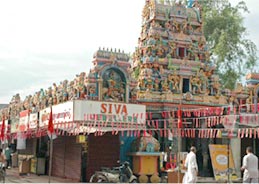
x: 50, y: 125
x: 179, y: 115
x: 3, y: 129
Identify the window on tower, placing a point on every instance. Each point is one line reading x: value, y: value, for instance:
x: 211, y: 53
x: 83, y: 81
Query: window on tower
x: 186, y: 85
x: 181, y: 53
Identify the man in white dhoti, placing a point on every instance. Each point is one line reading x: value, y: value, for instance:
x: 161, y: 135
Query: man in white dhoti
x: 192, y: 167
x: 250, y: 167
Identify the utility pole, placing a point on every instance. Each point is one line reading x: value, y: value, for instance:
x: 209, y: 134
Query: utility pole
x: 50, y: 155
x: 179, y: 126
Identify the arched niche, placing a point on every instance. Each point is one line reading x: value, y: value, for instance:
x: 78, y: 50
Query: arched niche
x: 114, y: 85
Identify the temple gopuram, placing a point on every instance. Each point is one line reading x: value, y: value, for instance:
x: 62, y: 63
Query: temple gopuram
x: 147, y: 108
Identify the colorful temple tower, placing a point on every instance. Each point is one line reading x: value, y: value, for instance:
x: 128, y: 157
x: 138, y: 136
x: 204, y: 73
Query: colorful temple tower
x: 172, y: 61
x: 173, y: 68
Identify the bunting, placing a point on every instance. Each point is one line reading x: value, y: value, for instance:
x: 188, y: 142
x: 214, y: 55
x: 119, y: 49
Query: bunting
x: 3, y: 129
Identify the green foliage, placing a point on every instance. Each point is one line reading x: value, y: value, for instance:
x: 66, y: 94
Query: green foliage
x: 232, y: 53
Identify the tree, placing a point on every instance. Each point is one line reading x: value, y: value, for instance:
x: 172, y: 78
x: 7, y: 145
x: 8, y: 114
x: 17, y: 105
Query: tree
x: 232, y: 53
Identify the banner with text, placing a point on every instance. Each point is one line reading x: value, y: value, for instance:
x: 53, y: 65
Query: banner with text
x: 33, y: 121
x: 222, y: 162
x: 14, y: 125
x: 61, y: 113
x: 24, y: 121
x: 44, y: 117
x: 109, y: 112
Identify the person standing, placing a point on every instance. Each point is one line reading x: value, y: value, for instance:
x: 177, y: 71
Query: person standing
x: 2, y: 159
x: 250, y: 167
x: 8, y: 152
x: 192, y: 167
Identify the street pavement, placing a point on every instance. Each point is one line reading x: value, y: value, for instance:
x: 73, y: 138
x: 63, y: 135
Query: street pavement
x: 13, y: 176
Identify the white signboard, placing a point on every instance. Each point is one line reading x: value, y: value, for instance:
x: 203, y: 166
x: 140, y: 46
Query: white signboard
x: 24, y: 121
x: 14, y: 125
x: 44, y: 117
x: 62, y: 112
x: 109, y: 111
x: 33, y: 121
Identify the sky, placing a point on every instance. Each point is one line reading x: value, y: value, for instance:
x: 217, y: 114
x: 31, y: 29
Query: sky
x: 47, y: 41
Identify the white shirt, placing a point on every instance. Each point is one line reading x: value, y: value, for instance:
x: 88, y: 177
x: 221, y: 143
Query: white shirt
x: 250, y: 164
x: 192, y: 168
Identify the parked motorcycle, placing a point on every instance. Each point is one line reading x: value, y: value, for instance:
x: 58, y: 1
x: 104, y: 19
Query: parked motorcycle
x: 121, y: 174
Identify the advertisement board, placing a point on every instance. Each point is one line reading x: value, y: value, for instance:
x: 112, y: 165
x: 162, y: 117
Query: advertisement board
x: 33, y: 121
x: 24, y: 121
x: 222, y: 162
x: 44, y: 117
x: 61, y: 113
x: 14, y: 125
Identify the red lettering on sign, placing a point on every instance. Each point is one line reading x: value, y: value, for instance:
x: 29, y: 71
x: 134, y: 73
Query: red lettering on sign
x: 114, y: 109
x: 103, y: 108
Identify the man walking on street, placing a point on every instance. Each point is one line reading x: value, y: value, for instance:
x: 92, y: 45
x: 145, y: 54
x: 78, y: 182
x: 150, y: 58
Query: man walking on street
x: 250, y: 167
x: 192, y: 167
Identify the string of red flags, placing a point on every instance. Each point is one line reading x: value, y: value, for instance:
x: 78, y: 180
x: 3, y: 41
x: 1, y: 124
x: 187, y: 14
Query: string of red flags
x: 188, y: 133
x: 228, y: 121
x: 136, y: 130
x: 207, y: 111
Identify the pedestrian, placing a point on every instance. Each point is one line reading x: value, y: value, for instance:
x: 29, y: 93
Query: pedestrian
x: 2, y: 159
x: 191, y: 165
x: 8, y: 152
x: 250, y: 167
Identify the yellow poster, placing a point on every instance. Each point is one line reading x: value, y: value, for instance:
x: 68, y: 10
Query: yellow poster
x: 222, y: 162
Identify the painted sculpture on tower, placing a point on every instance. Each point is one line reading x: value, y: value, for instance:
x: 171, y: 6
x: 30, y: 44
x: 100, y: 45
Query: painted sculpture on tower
x: 172, y: 55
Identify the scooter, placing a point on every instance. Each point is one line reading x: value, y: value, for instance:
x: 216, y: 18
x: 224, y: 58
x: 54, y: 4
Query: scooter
x: 122, y: 174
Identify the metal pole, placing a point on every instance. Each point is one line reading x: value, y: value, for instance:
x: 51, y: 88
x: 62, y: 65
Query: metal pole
x: 50, y: 156
x: 179, y: 145
x: 178, y: 157
x: 256, y: 110
x: 228, y: 151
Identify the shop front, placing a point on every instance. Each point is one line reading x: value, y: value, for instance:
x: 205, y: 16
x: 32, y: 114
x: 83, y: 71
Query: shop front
x: 87, y: 136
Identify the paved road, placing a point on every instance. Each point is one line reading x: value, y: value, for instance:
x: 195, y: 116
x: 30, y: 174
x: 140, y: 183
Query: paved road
x: 12, y: 176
